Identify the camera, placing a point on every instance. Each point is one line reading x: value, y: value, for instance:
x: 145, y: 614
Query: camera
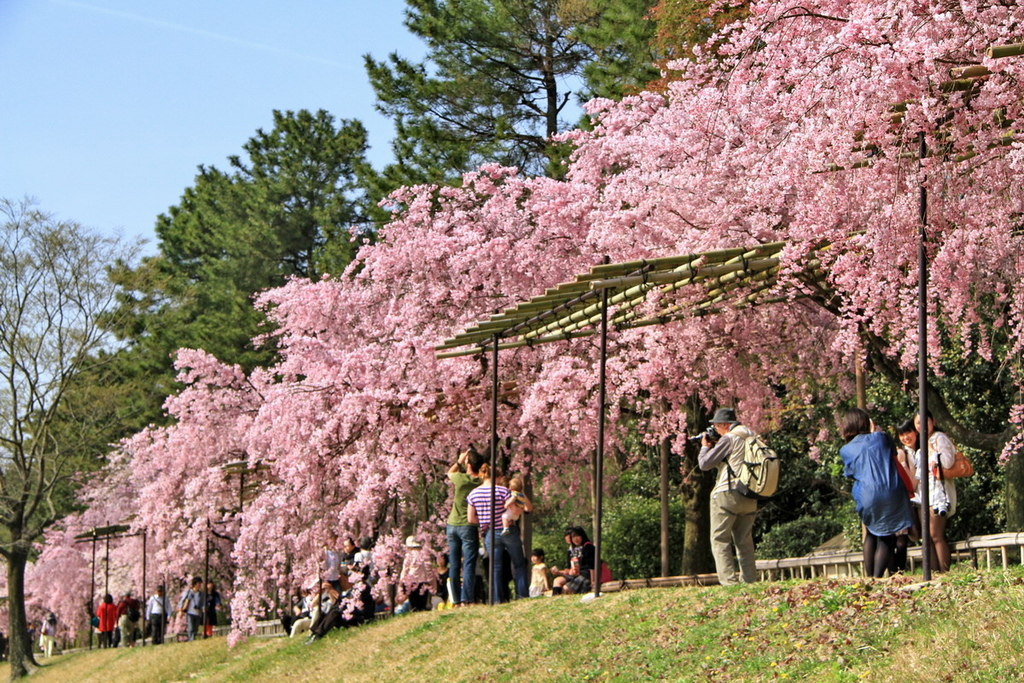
x: 710, y: 432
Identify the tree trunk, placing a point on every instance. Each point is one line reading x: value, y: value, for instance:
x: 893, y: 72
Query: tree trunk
x: 665, y: 451
x: 696, y: 496
x: 1014, y: 491
x: 20, y: 646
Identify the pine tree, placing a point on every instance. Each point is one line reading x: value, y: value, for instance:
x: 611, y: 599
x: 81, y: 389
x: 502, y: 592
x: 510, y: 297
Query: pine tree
x: 496, y: 84
x: 291, y: 206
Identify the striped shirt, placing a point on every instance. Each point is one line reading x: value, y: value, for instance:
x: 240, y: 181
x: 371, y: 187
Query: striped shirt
x: 480, y: 499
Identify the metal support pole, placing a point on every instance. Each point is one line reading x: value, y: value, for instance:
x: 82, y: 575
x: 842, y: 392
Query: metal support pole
x: 143, y: 596
x: 206, y: 587
x: 599, y: 465
x: 106, y: 568
x: 861, y: 380
x: 492, y: 588
x: 922, y: 365
x: 92, y: 591
x: 664, y: 451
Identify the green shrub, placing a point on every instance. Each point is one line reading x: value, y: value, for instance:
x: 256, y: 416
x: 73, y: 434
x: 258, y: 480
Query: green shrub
x: 632, y: 537
x: 799, y: 537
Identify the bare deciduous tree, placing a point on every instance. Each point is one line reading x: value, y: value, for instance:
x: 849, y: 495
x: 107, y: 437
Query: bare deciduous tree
x: 53, y: 291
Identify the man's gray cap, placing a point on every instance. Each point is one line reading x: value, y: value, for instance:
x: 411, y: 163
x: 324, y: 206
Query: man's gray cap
x: 724, y: 415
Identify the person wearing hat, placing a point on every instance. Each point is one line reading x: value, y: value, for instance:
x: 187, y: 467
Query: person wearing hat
x: 732, y: 514
x: 417, y: 580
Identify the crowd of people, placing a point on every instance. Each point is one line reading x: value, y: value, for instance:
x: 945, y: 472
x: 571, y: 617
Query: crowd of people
x: 485, y: 508
x: 125, y: 622
x: 486, y: 515
x: 341, y: 598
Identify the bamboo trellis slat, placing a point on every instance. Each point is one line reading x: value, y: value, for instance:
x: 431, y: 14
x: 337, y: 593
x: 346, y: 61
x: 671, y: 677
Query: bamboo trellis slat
x: 568, y: 311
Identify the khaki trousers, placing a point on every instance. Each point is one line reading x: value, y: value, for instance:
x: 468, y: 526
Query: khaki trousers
x: 732, y: 524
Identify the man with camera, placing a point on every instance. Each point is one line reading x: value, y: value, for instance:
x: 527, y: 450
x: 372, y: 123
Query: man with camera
x: 732, y: 514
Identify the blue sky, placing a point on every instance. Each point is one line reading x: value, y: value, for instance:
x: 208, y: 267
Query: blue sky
x: 109, y: 106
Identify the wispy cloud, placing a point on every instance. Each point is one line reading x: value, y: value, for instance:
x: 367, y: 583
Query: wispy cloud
x: 202, y: 33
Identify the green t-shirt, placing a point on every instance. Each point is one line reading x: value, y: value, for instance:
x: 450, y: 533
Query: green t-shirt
x: 463, y: 485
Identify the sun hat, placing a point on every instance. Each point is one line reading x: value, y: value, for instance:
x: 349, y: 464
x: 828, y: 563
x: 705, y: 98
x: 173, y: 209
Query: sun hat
x: 724, y: 415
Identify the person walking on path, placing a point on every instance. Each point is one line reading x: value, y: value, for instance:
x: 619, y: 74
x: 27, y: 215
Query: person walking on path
x: 158, y: 609
x: 191, y: 605
x: 213, y: 602
x: 107, y: 616
x: 48, y: 634
x: 129, y: 614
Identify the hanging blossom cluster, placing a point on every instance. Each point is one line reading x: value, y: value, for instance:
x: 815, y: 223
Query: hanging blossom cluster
x: 800, y: 126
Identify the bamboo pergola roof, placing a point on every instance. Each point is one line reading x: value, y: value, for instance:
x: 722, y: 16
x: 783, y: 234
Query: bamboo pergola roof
x: 571, y: 309
x: 102, y: 532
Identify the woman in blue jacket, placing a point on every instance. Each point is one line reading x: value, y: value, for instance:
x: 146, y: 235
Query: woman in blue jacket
x: 882, y: 500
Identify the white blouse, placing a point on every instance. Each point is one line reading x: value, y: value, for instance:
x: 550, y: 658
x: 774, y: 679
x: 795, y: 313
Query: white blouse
x: 941, y: 493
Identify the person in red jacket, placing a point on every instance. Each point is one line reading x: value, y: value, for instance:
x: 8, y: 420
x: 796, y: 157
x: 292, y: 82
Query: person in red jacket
x: 128, y: 617
x: 107, y: 614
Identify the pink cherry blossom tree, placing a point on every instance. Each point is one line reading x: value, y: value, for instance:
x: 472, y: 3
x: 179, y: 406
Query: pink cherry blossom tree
x: 802, y: 126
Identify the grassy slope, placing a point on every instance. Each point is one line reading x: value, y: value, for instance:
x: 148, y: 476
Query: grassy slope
x: 966, y: 627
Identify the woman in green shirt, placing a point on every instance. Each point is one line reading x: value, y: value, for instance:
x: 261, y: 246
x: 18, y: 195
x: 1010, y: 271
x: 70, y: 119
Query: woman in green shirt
x: 463, y: 537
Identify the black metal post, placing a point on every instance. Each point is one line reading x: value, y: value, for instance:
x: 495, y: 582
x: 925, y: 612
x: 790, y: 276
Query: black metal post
x: 92, y: 589
x: 143, y: 597
x: 492, y: 587
x: 206, y: 587
x: 599, y: 465
x: 106, y: 568
x: 922, y: 365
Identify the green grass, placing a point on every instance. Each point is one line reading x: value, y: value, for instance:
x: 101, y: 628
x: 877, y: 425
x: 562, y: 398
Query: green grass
x: 968, y: 626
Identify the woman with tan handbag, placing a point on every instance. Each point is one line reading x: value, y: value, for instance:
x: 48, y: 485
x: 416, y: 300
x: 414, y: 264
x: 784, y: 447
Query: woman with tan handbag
x: 941, y: 490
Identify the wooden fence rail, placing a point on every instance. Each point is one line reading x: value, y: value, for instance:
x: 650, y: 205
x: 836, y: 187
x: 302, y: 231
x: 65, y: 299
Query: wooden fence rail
x: 994, y: 551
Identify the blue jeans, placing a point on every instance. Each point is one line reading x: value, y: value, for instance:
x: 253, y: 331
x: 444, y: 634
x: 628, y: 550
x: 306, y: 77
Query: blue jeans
x: 463, y: 552
x: 513, y: 545
x: 195, y: 622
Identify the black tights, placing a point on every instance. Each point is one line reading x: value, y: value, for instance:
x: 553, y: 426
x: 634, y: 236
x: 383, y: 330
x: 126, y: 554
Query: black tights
x: 899, y: 558
x: 879, y: 552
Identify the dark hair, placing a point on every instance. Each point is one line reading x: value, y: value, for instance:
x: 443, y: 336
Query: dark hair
x: 568, y: 530
x: 197, y: 579
x: 474, y: 459
x: 578, y: 531
x: 927, y: 416
x: 366, y: 543
x: 108, y: 598
x: 907, y: 427
x: 538, y: 552
x: 856, y: 421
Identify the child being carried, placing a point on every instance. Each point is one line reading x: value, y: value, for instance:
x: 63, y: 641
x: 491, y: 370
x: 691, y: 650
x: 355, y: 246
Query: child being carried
x: 516, y: 504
